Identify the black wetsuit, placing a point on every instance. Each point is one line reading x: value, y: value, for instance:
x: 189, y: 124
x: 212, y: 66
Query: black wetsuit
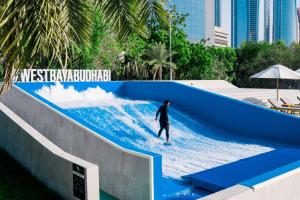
x: 163, y: 120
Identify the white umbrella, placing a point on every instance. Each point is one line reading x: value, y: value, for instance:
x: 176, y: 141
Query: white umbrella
x: 298, y: 71
x: 277, y: 72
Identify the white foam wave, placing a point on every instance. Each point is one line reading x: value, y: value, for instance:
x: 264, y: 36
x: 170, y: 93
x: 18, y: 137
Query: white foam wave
x: 69, y: 97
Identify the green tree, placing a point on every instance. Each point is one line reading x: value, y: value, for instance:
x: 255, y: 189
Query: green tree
x: 134, y: 66
x: 255, y: 57
x: 246, y: 64
x: 180, y: 44
x: 157, y: 56
x: 295, y: 56
x: 223, y: 63
x: 41, y: 28
x: 200, y: 65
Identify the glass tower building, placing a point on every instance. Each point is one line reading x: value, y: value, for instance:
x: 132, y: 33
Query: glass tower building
x: 201, y: 20
x: 218, y: 13
x: 268, y: 7
x: 245, y: 21
x: 285, y: 21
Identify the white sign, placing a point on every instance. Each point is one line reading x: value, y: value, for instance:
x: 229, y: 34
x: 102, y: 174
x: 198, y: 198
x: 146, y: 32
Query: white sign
x: 61, y: 75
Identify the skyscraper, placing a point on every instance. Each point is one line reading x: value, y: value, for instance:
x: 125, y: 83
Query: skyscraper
x: 253, y: 19
x: 218, y: 13
x: 240, y: 22
x: 223, y: 17
x: 201, y: 19
x: 285, y: 27
x: 268, y: 20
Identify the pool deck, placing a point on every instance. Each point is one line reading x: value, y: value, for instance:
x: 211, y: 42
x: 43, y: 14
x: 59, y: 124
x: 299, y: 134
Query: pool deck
x: 256, y: 96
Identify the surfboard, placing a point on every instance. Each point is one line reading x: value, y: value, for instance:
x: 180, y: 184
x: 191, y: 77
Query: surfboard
x: 167, y: 143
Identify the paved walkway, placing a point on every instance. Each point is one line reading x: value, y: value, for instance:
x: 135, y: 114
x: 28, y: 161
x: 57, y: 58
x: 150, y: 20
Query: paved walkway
x: 252, y: 95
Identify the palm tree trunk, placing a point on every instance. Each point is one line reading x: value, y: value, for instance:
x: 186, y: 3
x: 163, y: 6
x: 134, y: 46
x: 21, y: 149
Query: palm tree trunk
x: 160, y: 72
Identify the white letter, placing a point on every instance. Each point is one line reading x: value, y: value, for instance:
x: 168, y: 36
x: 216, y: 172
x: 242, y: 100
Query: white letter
x: 100, y: 76
x: 52, y: 75
x: 70, y: 76
x: 33, y: 75
x: 105, y: 75
x: 76, y: 75
x: 39, y: 75
x: 82, y: 75
x: 94, y: 75
x: 64, y: 74
x: 59, y: 77
x: 88, y: 76
x: 46, y: 75
x: 25, y: 74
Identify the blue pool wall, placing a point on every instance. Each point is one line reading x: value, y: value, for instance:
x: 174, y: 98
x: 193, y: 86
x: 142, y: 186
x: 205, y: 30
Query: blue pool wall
x: 234, y: 116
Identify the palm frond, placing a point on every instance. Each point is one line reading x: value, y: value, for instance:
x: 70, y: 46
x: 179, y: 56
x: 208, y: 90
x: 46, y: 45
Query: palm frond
x: 157, y: 57
x: 127, y: 16
x: 44, y: 28
x: 121, y: 15
x: 41, y: 27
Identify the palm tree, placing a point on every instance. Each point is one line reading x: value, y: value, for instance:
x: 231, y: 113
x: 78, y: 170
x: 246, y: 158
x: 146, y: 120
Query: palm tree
x: 49, y: 28
x: 157, y: 56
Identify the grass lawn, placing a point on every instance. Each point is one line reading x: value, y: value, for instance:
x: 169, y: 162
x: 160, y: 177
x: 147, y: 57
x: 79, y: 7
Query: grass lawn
x: 17, y: 184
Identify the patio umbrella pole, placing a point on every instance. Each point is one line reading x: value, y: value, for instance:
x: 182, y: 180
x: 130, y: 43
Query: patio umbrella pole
x: 277, y: 88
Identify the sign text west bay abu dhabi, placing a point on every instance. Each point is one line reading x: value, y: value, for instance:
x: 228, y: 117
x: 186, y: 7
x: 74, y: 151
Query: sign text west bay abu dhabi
x: 61, y: 75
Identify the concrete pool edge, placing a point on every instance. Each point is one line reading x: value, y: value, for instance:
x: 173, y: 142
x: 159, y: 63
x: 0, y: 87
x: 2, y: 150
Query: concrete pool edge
x: 31, y: 116
x: 210, y: 195
x: 38, y: 155
x: 281, y: 186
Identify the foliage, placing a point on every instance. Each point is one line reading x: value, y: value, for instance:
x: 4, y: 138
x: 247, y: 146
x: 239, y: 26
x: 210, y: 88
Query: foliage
x: 157, y: 56
x: 254, y: 57
x: 134, y: 66
x: 128, y: 16
x: 180, y: 43
x: 46, y: 28
x: 223, y: 63
x: 43, y: 31
x: 200, y: 64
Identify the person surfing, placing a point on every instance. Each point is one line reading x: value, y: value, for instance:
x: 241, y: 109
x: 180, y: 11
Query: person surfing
x: 164, y: 119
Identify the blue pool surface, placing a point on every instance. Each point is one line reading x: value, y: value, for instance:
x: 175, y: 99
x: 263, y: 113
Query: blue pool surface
x: 196, y: 146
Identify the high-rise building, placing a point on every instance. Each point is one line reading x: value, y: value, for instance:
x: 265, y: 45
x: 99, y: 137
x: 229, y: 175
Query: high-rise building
x: 245, y: 21
x: 221, y: 37
x: 218, y: 13
x: 285, y: 21
x: 201, y: 19
x: 252, y: 20
x: 223, y: 17
x: 268, y: 20
x: 239, y: 17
